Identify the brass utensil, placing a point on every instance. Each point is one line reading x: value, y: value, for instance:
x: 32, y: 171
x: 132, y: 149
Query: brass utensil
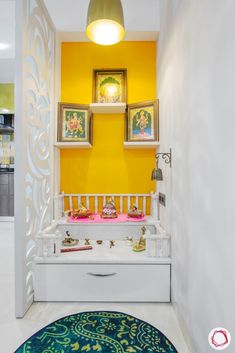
x: 112, y: 243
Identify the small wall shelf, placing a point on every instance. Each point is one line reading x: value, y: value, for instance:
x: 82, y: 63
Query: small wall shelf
x: 108, y: 108
x: 141, y: 145
x: 81, y: 145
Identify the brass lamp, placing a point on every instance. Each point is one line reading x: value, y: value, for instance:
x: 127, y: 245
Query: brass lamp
x: 105, y: 22
x: 157, y: 172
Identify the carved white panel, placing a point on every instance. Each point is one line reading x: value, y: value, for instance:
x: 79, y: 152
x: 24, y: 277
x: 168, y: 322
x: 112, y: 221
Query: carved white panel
x: 35, y: 114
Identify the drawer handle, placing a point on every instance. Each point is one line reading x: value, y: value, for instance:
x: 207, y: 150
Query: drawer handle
x: 101, y: 274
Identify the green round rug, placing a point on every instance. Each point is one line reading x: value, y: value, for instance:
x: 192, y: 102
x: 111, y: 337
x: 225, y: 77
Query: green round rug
x: 98, y: 332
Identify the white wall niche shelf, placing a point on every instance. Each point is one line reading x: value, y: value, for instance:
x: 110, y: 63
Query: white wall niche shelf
x: 108, y: 108
x: 141, y: 145
x: 81, y: 145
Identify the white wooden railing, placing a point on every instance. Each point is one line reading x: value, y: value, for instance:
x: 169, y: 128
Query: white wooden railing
x: 49, y: 241
x: 95, y: 202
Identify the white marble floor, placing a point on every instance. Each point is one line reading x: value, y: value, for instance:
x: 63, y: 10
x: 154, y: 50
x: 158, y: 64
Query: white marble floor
x: 13, y: 331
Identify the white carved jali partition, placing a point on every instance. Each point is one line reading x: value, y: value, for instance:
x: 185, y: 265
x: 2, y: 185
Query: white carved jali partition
x: 35, y: 58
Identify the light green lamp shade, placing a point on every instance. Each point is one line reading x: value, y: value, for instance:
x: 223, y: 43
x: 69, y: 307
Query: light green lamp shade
x: 105, y: 22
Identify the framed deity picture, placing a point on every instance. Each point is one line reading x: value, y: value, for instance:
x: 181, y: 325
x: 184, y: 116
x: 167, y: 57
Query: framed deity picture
x: 143, y: 121
x: 74, y: 123
x: 109, y: 86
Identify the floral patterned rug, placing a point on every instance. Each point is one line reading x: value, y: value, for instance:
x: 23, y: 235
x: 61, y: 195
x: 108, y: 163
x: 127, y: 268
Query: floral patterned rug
x: 99, y: 331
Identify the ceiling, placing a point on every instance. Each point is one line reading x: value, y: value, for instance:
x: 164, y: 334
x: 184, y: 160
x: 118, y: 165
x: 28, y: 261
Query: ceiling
x: 7, y: 28
x: 69, y: 17
x: 7, y: 36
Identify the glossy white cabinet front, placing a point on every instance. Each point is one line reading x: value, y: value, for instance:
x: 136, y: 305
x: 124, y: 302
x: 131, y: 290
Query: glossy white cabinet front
x: 102, y: 282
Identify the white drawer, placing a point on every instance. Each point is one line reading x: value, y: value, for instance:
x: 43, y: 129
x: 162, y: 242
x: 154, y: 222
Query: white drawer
x: 84, y: 282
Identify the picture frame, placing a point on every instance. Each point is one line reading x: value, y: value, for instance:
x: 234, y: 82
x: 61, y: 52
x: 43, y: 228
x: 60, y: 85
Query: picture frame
x: 109, y: 85
x: 74, y: 123
x: 142, y: 121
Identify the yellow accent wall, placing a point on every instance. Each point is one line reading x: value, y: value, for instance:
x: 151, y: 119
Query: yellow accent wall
x: 107, y: 167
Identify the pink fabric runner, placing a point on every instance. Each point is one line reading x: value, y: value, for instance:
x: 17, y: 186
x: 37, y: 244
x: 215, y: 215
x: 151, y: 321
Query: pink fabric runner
x: 97, y: 219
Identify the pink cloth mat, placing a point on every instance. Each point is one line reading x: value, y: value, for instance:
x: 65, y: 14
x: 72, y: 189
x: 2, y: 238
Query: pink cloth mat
x: 122, y: 218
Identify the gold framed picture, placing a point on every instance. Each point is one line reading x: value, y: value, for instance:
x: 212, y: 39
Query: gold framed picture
x: 143, y: 121
x: 74, y: 123
x: 109, y: 86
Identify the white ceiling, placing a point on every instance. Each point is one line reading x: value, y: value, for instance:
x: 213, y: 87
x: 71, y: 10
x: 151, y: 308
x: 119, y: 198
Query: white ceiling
x: 7, y: 28
x: 7, y: 36
x: 141, y: 18
x: 69, y: 17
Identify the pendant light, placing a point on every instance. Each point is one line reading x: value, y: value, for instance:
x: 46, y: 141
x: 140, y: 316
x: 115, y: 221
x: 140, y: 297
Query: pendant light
x: 105, y: 22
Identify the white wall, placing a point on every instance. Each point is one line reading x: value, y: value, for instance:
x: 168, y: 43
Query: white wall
x: 196, y: 88
x: 7, y: 70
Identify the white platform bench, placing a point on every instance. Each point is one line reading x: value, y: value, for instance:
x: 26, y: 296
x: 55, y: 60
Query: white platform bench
x: 101, y: 274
